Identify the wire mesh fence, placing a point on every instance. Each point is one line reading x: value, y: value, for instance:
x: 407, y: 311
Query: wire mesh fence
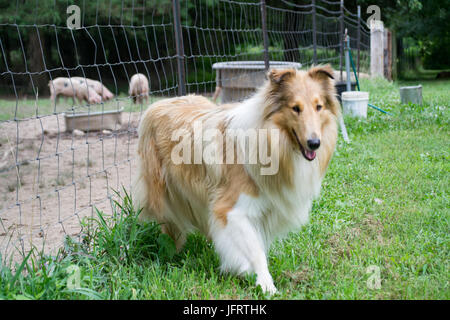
x: 62, y: 158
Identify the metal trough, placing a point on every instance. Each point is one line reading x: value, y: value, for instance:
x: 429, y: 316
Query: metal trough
x: 236, y: 80
x: 94, y: 121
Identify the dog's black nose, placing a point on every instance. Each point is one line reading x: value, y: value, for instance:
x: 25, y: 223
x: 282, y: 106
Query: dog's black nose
x: 314, y: 144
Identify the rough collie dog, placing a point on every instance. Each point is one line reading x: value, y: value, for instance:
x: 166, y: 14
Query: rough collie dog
x: 231, y: 200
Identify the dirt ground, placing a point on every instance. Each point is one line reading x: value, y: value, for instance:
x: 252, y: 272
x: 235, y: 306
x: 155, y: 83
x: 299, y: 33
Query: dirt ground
x: 60, y: 178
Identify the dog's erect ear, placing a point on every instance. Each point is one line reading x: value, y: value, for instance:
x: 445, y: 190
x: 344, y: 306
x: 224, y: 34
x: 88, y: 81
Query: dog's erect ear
x: 324, y: 75
x: 277, y: 76
x: 321, y: 72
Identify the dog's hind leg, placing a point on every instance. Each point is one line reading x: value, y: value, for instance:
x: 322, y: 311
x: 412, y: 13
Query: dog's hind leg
x: 175, y: 233
x: 241, y: 248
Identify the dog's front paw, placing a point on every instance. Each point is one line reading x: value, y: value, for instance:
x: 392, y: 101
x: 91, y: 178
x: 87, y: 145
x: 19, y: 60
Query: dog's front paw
x: 266, y: 284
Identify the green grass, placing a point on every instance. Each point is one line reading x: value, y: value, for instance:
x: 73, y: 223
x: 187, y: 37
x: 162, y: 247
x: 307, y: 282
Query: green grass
x: 22, y: 109
x: 384, y: 203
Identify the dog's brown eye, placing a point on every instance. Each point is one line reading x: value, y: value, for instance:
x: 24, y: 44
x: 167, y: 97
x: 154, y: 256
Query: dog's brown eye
x: 319, y: 107
x: 296, y: 109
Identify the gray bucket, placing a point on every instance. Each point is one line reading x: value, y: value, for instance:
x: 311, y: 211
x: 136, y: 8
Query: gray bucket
x: 411, y: 94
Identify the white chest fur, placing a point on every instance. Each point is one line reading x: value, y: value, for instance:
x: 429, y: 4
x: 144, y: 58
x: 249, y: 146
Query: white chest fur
x: 274, y: 214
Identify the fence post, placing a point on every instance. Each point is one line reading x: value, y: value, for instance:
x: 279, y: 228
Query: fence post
x: 179, y: 47
x: 341, y: 37
x: 265, y: 35
x: 347, y: 61
x: 376, y: 48
x: 358, y: 35
x: 314, y: 31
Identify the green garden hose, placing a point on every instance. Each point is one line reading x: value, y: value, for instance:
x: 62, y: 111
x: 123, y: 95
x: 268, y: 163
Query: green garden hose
x: 357, y: 84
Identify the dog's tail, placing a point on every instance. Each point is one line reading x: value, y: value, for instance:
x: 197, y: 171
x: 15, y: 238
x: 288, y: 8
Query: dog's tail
x: 148, y: 184
x: 139, y: 194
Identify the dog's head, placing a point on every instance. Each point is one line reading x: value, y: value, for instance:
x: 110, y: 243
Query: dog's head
x: 301, y: 104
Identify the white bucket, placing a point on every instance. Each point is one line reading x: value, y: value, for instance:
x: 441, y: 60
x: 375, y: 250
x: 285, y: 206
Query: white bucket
x: 355, y: 103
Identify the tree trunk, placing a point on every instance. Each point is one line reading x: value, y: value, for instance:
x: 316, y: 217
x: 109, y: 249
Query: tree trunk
x: 36, y: 43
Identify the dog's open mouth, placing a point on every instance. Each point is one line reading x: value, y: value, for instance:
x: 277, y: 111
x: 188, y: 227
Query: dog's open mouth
x: 309, y: 155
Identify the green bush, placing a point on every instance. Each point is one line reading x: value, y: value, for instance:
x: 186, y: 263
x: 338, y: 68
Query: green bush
x: 256, y: 52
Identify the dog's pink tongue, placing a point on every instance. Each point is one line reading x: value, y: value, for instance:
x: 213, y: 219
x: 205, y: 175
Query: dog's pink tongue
x: 311, y: 155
